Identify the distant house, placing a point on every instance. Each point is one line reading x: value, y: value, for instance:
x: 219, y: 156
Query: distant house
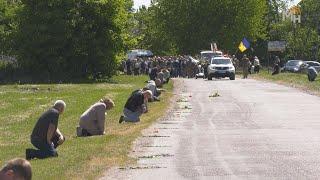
x: 293, y: 14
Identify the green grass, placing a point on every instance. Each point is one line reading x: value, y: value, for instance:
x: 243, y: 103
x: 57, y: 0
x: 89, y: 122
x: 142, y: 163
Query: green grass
x: 297, y: 80
x: 79, y: 158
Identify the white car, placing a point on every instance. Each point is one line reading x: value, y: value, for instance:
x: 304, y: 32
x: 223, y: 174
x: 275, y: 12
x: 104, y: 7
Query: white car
x: 221, y: 67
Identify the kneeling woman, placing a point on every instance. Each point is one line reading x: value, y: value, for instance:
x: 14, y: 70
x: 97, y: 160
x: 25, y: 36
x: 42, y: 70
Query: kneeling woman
x: 92, y: 121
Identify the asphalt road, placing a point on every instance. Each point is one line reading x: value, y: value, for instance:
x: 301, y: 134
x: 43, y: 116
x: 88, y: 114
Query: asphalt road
x: 254, y: 130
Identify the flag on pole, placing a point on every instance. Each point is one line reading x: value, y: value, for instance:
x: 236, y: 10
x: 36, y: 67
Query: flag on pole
x: 244, y: 45
x: 214, y: 47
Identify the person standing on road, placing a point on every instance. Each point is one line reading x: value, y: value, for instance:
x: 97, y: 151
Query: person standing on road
x: 245, y: 66
x: 256, y: 64
x: 135, y: 106
x: 276, y: 67
x: 235, y: 62
x: 46, y: 136
x: 16, y: 169
x: 92, y: 121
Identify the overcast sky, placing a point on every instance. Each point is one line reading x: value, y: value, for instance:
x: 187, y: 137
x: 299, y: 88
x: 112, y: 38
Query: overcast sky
x: 138, y: 3
x: 296, y: 2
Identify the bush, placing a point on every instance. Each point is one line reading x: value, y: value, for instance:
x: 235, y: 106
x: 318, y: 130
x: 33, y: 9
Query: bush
x: 61, y: 40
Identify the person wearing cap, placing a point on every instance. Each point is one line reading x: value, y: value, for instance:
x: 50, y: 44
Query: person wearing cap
x: 46, y: 136
x: 16, y: 169
x: 135, y: 106
x: 92, y: 121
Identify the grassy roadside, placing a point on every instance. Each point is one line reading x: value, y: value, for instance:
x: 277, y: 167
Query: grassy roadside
x: 295, y: 80
x: 79, y: 158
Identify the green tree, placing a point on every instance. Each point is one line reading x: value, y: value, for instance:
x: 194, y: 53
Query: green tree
x: 62, y: 39
x: 189, y: 26
x: 8, y: 25
x: 150, y: 32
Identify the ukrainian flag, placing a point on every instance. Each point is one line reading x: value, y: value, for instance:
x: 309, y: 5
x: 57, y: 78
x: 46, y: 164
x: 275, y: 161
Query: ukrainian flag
x: 244, y: 45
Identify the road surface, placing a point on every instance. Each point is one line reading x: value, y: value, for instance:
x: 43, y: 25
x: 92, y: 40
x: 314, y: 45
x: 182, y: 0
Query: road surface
x: 254, y: 130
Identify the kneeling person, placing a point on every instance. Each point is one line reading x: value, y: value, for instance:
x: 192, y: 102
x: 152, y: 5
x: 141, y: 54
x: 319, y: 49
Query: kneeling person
x: 312, y: 74
x: 136, y: 105
x: 92, y: 121
x: 46, y: 135
x: 152, y: 86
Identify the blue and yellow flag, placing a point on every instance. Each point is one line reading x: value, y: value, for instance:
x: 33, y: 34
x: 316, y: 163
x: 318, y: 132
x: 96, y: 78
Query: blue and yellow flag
x: 244, y: 45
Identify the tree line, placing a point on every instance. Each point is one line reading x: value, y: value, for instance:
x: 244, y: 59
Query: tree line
x: 175, y: 26
x: 65, y: 39
x: 59, y: 39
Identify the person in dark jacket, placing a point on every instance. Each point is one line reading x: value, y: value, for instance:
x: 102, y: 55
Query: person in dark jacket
x: 46, y: 136
x: 135, y: 106
x: 312, y: 74
x: 153, y: 74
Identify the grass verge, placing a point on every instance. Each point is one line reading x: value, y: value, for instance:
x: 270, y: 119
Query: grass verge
x: 295, y: 80
x: 79, y: 158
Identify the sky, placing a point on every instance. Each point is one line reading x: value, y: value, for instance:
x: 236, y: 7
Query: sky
x: 138, y: 3
x: 295, y: 2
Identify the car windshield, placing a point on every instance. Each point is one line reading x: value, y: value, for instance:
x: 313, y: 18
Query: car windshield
x: 294, y: 63
x: 313, y: 64
x: 221, y: 61
x: 207, y: 56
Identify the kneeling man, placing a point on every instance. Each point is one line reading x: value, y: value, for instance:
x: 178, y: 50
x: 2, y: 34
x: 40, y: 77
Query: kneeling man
x: 136, y: 105
x: 92, y: 121
x: 46, y: 136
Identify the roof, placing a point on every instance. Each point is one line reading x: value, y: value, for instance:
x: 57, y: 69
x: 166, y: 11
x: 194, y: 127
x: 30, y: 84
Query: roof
x: 211, y: 52
x: 225, y: 58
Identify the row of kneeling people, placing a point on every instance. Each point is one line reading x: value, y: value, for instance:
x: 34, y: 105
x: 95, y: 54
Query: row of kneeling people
x: 46, y: 136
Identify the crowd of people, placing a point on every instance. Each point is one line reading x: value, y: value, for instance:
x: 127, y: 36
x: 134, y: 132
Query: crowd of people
x: 182, y: 66
x: 46, y: 136
x: 173, y: 66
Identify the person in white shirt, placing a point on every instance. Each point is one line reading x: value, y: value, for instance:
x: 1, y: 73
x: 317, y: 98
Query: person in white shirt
x: 256, y: 64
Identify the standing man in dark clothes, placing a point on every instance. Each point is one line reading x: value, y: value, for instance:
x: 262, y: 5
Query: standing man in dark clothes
x: 136, y: 105
x: 176, y: 66
x: 46, y: 136
x: 245, y: 66
x: 128, y: 64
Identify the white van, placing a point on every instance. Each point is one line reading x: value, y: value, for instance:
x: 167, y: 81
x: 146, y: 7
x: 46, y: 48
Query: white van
x: 208, y: 55
x: 133, y: 54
